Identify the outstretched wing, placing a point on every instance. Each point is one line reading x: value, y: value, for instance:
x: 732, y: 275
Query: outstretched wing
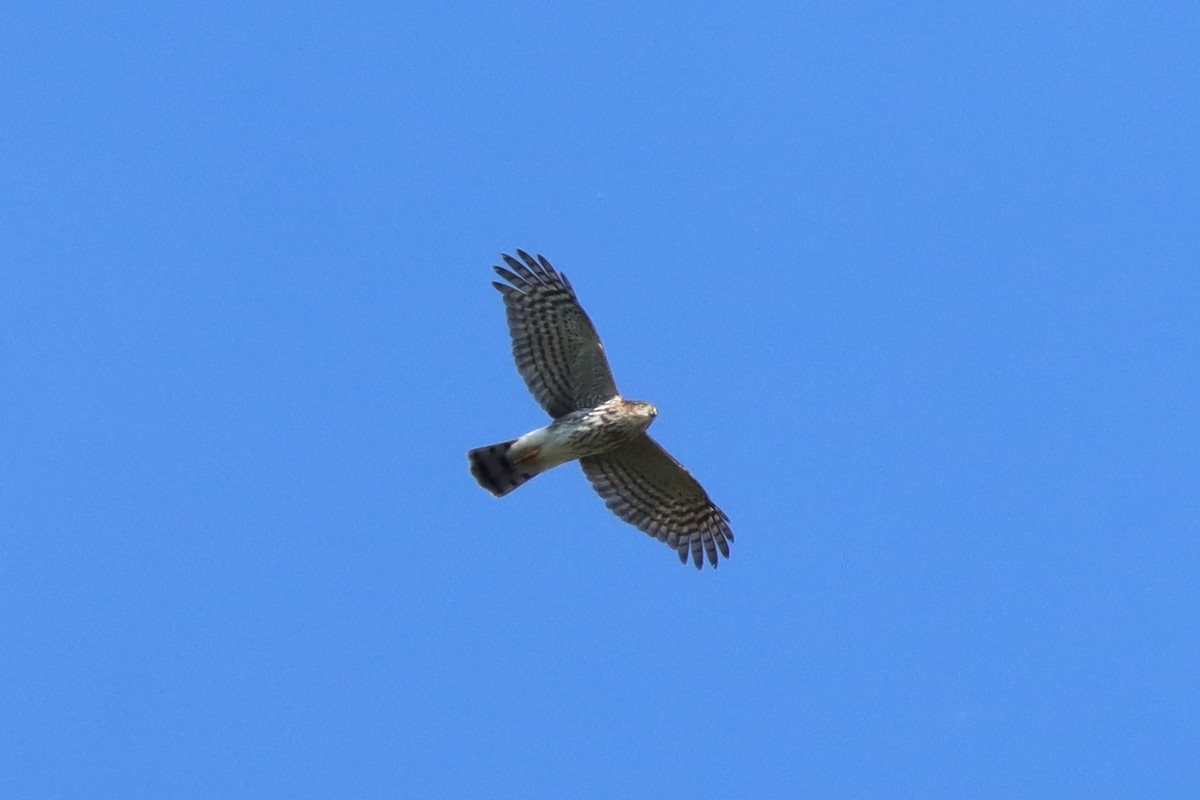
x: 556, y: 347
x: 646, y: 487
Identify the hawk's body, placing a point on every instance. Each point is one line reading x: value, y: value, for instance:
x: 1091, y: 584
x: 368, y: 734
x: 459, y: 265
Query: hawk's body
x: 559, y: 355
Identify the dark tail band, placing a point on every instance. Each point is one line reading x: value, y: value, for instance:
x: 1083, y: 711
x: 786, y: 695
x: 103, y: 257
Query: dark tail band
x: 492, y: 468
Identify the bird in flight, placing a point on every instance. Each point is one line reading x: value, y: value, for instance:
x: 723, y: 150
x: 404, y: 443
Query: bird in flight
x: 559, y: 354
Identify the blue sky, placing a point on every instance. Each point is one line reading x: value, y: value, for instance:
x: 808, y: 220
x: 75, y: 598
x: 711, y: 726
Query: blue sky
x: 916, y: 290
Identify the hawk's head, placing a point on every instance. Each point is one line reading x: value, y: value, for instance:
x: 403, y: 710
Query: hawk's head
x: 642, y: 409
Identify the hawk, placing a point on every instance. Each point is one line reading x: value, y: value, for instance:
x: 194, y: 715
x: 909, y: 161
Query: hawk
x: 559, y: 354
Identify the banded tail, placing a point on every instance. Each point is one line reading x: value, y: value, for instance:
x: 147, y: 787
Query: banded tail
x: 494, y: 470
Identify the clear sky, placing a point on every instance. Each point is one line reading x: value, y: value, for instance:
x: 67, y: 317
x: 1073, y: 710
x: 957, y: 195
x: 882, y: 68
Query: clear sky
x: 915, y: 288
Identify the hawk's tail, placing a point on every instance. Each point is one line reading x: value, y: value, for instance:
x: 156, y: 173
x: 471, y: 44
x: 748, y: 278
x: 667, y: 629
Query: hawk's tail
x: 495, y: 472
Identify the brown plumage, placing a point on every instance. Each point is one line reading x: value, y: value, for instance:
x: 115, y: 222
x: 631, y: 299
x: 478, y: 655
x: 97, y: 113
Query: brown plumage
x: 559, y: 354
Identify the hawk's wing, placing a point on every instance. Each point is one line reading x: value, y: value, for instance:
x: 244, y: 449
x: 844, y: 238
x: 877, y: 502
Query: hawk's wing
x: 646, y: 487
x: 556, y: 347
